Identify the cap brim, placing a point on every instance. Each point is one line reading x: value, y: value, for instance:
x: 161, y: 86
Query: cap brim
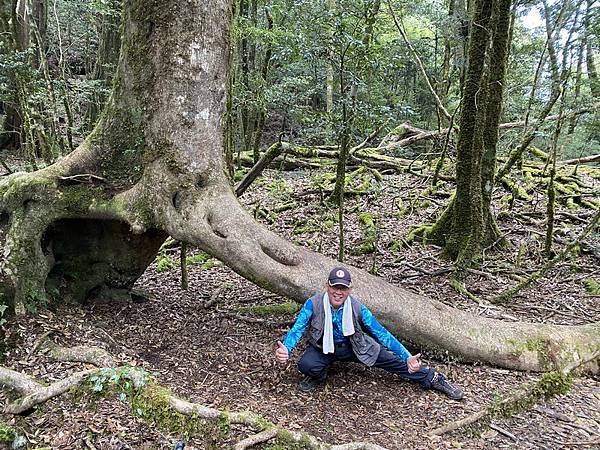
x: 338, y: 282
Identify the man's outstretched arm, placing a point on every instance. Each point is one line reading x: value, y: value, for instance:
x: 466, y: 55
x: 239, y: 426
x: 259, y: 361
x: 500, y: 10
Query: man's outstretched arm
x: 296, y: 332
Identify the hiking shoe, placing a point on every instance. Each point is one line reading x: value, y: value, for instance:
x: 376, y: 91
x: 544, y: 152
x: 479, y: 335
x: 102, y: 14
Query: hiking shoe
x: 439, y: 383
x: 308, y: 384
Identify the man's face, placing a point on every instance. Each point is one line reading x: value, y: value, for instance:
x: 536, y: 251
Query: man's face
x: 337, y: 294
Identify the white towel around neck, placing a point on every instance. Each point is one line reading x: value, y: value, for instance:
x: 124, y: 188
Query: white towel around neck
x: 347, y: 323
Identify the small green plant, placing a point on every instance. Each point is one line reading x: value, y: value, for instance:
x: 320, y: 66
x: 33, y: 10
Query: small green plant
x: 200, y: 258
x: 164, y: 262
x: 592, y: 286
x: 7, y: 433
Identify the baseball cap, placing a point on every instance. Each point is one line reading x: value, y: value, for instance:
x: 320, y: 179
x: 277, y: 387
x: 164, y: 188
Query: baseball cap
x: 339, y: 275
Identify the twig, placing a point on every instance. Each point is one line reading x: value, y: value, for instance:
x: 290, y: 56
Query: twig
x: 250, y: 441
x: 503, y: 431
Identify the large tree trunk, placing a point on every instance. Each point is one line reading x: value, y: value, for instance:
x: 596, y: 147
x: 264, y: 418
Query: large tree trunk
x: 154, y: 166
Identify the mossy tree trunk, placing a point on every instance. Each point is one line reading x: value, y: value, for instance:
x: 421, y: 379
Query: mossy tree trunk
x: 467, y: 224
x: 106, y: 60
x: 153, y: 166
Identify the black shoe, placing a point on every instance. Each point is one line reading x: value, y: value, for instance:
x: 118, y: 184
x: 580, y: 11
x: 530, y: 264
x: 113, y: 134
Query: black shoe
x: 308, y: 384
x: 439, y: 383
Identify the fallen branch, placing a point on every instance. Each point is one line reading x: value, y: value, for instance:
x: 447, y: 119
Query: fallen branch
x: 509, y: 293
x: 583, y: 160
x: 549, y: 385
x: 272, y: 152
x: 258, y: 438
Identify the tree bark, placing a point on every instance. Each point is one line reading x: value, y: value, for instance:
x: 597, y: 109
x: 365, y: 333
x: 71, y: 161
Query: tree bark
x: 461, y: 228
x: 156, y: 157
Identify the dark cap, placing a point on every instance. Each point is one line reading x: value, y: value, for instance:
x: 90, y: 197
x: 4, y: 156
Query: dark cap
x: 340, y: 275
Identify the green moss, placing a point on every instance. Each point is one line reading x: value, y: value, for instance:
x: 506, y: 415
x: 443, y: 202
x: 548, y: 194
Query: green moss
x: 151, y: 402
x: 537, y: 152
x: 536, y: 345
x: 285, y: 441
x: 199, y: 258
x: 282, y: 309
x: 7, y: 433
x: 164, y: 262
x: 369, y: 241
x: 211, y: 263
x: 462, y: 289
x: 551, y: 384
x: 280, y: 188
x: 592, y: 286
x: 420, y: 231
x: 80, y: 198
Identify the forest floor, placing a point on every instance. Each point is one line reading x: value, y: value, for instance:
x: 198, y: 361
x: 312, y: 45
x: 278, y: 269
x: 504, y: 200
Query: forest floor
x: 222, y: 356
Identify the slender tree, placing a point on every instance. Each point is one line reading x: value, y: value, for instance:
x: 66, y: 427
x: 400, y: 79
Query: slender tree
x: 467, y: 224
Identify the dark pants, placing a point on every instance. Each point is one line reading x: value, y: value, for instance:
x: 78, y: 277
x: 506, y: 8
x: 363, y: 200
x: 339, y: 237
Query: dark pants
x: 314, y: 363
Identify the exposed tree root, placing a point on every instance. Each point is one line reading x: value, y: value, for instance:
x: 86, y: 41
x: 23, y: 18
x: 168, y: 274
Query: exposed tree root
x: 33, y: 393
x: 549, y: 385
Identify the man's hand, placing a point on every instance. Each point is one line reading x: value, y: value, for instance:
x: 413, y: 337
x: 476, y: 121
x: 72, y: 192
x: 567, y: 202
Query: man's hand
x: 281, y: 354
x: 414, y: 363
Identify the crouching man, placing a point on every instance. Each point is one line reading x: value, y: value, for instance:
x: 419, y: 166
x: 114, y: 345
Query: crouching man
x: 340, y: 328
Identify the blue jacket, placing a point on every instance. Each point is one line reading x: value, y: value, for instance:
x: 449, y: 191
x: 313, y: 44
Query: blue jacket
x: 369, y: 322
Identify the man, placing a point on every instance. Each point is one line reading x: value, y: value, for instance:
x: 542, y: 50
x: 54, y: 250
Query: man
x: 343, y: 329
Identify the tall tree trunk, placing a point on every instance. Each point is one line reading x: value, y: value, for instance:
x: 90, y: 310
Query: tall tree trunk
x: 153, y: 166
x: 589, y: 55
x: 461, y: 227
x: 107, y: 58
x: 578, y: 79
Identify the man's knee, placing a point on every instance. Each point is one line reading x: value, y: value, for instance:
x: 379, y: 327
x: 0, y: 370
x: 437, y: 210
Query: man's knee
x: 304, y: 365
x: 311, y: 364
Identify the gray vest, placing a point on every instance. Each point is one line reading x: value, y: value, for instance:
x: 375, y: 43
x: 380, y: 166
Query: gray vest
x: 364, y: 346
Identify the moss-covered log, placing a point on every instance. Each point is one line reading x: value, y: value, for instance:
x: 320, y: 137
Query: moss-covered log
x: 154, y: 166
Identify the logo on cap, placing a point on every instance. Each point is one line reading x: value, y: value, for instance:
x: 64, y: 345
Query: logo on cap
x: 340, y: 273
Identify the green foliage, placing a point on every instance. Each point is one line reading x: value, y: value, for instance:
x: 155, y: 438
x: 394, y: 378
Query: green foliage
x: 164, y: 262
x: 7, y: 433
x: 592, y: 286
x: 199, y: 258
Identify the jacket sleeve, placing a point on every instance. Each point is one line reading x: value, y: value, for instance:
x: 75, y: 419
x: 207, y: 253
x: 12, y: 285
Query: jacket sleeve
x: 294, y: 335
x: 383, y: 336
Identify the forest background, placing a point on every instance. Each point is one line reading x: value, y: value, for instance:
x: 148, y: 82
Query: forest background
x: 375, y: 90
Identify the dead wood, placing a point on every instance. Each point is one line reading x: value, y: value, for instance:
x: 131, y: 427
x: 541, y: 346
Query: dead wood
x: 258, y: 438
x: 583, y: 160
x: 509, y: 293
x: 273, y: 152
